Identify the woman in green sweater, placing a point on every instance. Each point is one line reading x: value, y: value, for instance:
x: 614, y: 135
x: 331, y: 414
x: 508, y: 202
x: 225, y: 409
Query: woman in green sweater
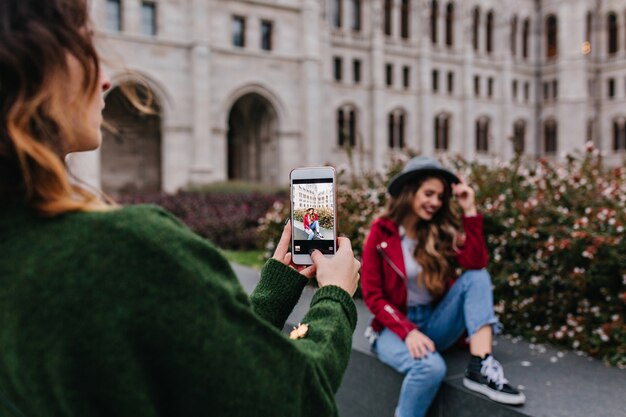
x: 108, y: 311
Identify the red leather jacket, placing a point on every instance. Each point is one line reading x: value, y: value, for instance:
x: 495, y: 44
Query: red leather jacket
x: 305, y: 220
x: 383, y: 276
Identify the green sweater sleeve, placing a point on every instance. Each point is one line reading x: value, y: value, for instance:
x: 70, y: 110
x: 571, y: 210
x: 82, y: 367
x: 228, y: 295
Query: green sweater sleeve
x: 129, y: 313
x: 277, y: 292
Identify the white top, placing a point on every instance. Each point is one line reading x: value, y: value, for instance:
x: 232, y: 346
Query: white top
x: 418, y: 294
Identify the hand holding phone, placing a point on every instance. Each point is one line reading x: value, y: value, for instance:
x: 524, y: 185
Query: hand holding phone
x: 342, y: 270
x: 313, y: 213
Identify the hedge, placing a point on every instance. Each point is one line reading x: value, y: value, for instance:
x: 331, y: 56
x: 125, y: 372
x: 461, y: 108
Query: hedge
x: 229, y: 220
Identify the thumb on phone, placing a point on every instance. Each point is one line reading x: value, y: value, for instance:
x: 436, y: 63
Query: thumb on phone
x: 341, y: 270
x: 317, y: 256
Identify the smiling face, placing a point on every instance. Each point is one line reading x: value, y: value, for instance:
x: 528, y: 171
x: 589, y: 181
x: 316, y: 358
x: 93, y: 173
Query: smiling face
x: 428, y: 199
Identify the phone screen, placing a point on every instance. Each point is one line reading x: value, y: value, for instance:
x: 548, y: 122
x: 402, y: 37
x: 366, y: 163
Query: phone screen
x: 313, y: 215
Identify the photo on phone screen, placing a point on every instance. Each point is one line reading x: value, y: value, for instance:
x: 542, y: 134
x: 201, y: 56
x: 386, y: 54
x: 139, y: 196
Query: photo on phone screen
x: 313, y: 216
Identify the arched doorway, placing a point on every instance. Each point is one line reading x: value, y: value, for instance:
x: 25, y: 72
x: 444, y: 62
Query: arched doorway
x: 131, y: 145
x: 252, y: 140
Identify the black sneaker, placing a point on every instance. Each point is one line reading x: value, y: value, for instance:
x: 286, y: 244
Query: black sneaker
x: 486, y: 376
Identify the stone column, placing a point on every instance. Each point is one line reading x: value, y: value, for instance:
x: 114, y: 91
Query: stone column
x: 312, y: 81
x: 205, y: 158
x: 505, y: 96
x: 572, y: 77
x: 424, y: 83
x: 424, y: 68
x: 466, y: 135
x: 131, y: 17
x: 396, y: 20
x: 377, y: 117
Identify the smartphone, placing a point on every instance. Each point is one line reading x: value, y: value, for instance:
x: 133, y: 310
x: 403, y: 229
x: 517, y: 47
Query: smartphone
x: 313, y: 213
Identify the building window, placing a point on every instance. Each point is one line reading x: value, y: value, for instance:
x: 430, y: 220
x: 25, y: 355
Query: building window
x: 513, y: 39
x: 266, y: 35
x: 519, y: 136
x: 239, y: 31
x: 489, y: 34
x: 442, y: 132
x: 346, y: 126
x: 114, y: 15
x: 611, y: 88
x: 356, y: 15
x: 389, y: 75
x: 555, y: 89
x: 482, y: 135
x: 336, y: 13
x: 613, y: 33
x: 337, y: 68
x: 546, y: 91
x: 406, y: 76
x: 435, y: 80
x: 552, y: 31
x: 450, y: 24
x: 356, y: 71
x: 490, y: 87
x: 476, y: 85
x: 526, y: 91
x: 525, y: 38
x: 514, y: 89
x: 396, y: 127
x: 434, y: 17
x: 388, y: 16
x: 405, y: 15
x: 619, y: 134
x: 148, y: 18
x: 550, y: 137
x: 450, y: 82
x: 476, y: 28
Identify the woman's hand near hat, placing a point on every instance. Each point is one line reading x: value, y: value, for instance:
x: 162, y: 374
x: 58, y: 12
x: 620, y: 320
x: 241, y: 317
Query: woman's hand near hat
x: 465, y: 196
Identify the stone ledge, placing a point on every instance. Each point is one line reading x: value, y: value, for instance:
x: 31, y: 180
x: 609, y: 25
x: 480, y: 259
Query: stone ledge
x: 557, y: 383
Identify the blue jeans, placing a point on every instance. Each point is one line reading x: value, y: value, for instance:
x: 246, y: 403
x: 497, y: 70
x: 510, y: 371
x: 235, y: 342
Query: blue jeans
x: 468, y: 305
x: 315, y: 228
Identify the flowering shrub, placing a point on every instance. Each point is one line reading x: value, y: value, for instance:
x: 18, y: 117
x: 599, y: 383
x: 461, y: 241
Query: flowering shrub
x: 325, y: 216
x: 558, y: 257
x: 555, y: 235
x: 229, y: 220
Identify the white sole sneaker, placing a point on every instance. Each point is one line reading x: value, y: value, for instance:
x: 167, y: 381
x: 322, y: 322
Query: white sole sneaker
x: 497, y: 396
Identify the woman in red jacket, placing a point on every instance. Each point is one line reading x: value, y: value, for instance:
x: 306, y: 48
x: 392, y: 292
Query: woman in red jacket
x: 312, y: 224
x: 408, y: 268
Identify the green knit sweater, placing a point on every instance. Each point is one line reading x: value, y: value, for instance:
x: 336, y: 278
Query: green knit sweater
x: 129, y: 313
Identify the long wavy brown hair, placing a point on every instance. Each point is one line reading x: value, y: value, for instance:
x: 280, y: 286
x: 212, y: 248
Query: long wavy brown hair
x: 38, y: 121
x: 437, y: 239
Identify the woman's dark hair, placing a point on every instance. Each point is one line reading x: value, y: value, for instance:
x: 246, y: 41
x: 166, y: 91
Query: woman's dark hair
x: 436, y: 239
x: 38, y: 119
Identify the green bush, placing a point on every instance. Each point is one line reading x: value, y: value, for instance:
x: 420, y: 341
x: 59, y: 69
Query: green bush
x: 555, y: 237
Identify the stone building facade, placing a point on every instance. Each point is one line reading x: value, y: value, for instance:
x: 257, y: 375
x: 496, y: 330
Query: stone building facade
x: 249, y: 89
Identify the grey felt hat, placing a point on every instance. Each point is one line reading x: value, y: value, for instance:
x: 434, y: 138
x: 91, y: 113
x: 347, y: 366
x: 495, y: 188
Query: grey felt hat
x: 417, y: 167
